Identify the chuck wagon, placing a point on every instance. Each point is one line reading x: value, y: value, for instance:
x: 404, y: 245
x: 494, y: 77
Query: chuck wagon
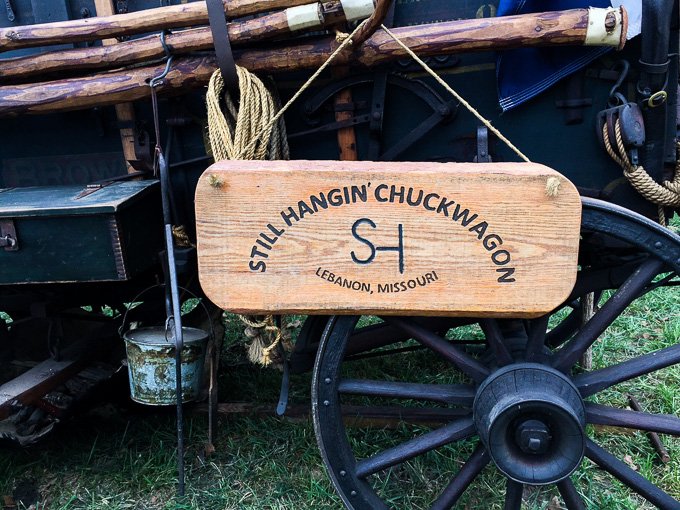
x: 443, y: 165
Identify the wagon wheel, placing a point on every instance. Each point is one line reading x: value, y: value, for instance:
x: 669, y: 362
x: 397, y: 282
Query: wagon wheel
x: 524, y: 411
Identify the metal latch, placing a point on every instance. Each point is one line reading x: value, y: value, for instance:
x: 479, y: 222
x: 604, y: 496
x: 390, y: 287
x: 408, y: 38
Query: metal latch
x: 8, y: 235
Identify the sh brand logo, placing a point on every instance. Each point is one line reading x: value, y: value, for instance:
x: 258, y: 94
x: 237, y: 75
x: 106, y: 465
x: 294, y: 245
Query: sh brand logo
x: 373, y: 248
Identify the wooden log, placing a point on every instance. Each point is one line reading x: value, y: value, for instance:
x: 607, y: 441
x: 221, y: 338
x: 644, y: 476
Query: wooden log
x: 141, y: 22
x: 329, y: 237
x: 125, y: 112
x: 561, y: 28
x: 149, y: 49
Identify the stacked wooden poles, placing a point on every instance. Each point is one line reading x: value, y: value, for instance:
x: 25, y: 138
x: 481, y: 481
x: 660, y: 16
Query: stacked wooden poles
x: 147, y: 49
x: 141, y: 22
x: 559, y: 28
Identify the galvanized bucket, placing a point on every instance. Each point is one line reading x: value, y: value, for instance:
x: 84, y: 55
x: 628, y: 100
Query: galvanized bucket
x: 151, y: 365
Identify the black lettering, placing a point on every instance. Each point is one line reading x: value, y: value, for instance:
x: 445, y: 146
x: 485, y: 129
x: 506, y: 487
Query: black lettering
x: 383, y: 288
x: 492, y: 241
x: 423, y: 283
x: 346, y: 191
x: 324, y: 275
x: 411, y: 284
x: 318, y: 202
x: 507, y: 272
x: 435, y: 275
x: 366, y: 287
x: 378, y: 189
x: 368, y: 243
x: 335, y: 197
x: 360, y: 193
x: 275, y: 231
x: 287, y: 217
x: 409, y: 198
x: 258, y: 266
x: 256, y: 253
x: 331, y: 277
x: 403, y: 286
x: 267, y: 238
x: 444, y: 206
x: 426, y: 202
x: 429, y: 277
x: 463, y: 216
x: 496, y: 257
x: 264, y: 245
x: 394, y: 194
x: 480, y: 228
x: 317, y: 271
x: 304, y: 209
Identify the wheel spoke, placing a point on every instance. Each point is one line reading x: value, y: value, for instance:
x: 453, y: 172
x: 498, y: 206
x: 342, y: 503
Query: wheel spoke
x: 494, y: 336
x: 455, y: 431
x: 605, y: 415
x: 454, y: 490
x: 632, y: 479
x: 624, y: 296
x: 593, y: 382
x: 537, y: 336
x: 513, y: 495
x: 464, y: 362
x: 571, y: 497
x: 458, y: 394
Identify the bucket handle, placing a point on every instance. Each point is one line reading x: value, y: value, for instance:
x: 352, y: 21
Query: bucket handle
x: 211, y: 333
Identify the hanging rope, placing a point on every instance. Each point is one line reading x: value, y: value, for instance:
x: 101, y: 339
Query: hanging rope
x: 666, y: 194
x: 455, y: 94
x: 251, y: 127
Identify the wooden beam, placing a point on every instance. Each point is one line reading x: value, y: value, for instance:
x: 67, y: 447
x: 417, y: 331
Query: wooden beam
x: 140, y: 22
x: 125, y: 112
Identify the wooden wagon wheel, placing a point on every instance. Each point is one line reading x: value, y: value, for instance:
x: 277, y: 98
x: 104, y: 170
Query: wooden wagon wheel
x: 525, y: 411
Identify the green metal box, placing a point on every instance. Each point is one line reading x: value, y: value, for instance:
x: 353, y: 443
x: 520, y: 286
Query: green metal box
x: 58, y: 234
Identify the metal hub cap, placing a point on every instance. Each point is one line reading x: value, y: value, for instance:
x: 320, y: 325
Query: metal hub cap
x: 531, y: 418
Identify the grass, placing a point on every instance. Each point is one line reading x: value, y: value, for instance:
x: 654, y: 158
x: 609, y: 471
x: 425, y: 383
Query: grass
x: 122, y: 456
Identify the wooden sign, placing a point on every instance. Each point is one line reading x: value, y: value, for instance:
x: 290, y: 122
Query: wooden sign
x: 347, y: 237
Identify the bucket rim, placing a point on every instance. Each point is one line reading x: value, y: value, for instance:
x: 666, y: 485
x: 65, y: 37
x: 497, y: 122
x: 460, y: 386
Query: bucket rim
x: 156, y: 336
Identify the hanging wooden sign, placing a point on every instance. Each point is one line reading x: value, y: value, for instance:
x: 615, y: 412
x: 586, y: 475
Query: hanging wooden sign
x: 322, y: 237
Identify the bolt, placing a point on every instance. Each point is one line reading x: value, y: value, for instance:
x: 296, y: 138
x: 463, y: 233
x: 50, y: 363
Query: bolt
x: 658, y: 245
x: 327, y: 380
x: 610, y: 22
x: 326, y: 403
x: 532, y: 436
x: 85, y: 12
x: 343, y: 472
x: 353, y: 493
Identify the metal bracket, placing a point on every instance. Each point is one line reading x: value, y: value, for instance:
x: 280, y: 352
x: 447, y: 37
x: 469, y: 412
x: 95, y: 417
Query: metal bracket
x: 8, y: 235
x: 483, y: 155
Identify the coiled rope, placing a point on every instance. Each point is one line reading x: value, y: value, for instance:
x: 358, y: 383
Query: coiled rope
x: 663, y: 195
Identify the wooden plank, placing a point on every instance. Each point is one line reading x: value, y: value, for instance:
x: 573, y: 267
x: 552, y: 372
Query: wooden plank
x: 459, y: 239
x: 125, y: 112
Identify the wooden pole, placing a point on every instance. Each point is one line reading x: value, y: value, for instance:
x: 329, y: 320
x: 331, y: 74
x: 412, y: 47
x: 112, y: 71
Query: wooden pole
x: 561, y: 28
x: 125, y: 112
x: 146, y: 49
x: 141, y: 22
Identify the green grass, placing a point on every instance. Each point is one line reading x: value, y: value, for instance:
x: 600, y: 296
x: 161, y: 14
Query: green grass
x: 124, y: 457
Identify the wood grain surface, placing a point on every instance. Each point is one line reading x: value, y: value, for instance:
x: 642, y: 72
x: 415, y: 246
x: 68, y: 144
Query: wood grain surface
x: 387, y: 238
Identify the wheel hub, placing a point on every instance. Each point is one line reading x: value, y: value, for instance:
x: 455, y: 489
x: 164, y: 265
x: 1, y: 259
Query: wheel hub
x: 531, y: 418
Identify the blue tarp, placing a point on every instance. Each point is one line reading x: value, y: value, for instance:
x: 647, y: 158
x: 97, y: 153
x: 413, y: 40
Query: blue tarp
x: 526, y: 72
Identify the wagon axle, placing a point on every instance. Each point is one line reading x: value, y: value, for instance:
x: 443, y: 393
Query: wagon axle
x: 531, y: 418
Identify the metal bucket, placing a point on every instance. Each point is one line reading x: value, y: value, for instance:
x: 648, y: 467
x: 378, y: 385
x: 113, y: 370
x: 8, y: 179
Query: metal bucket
x: 151, y: 365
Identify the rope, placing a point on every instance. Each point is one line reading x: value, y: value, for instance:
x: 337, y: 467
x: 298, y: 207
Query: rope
x: 252, y: 127
x: 666, y: 194
x: 455, y: 94
x: 346, y: 42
